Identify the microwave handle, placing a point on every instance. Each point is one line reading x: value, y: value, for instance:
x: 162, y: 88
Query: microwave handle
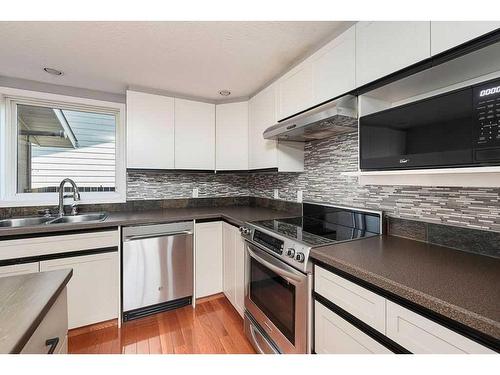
x: 288, y: 276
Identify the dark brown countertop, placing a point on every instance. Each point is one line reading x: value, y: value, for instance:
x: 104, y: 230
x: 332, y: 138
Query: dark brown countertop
x: 233, y: 214
x: 24, y: 302
x: 460, y: 286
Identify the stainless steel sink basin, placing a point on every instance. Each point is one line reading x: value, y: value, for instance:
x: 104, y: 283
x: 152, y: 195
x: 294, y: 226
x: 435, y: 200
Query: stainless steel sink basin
x: 25, y: 221
x: 82, y: 218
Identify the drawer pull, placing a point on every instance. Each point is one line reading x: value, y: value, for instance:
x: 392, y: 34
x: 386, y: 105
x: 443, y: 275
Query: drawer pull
x: 53, y: 344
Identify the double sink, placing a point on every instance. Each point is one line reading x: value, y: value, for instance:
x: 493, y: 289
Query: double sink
x: 47, y: 220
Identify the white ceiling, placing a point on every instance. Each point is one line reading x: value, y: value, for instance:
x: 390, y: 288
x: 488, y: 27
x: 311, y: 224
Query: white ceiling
x: 190, y: 58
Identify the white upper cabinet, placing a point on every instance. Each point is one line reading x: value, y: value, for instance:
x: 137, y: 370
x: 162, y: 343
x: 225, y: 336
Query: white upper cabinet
x: 385, y: 47
x: 231, y: 147
x: 194, y: 135
x: 262, y: 114
x: 150, y: 131
x: 295, y: 91
x: 334, y: 67
x: 448, y: 34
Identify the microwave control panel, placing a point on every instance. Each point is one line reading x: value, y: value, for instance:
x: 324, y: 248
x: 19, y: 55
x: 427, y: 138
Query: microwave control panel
x: 487, y: 115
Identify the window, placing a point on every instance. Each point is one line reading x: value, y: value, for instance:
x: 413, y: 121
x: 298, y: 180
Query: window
x: 45, y: 141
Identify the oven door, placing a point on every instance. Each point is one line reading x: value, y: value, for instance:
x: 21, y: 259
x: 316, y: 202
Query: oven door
x: 277, y: 296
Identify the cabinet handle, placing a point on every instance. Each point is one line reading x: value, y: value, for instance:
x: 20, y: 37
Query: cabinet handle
x: 53, y: 344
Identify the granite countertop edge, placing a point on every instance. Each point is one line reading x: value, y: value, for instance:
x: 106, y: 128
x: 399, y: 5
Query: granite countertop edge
x: 459, y: 314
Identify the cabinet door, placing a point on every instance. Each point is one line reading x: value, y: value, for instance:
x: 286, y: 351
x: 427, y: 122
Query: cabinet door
x: 228, y: 242
x: 356, y: 300
x: 295, y: 90
x: 239, y: 288
x: 334, y: 67
x: 422, y: 336
x: 209, y: 262
x: 93, y: 289
x: 262, y: 114
x: 449, y: 34
x: 334, y: 335
x: 150, y: 131
x: 19, y: 269
x: 384, y: 47
x: 194, y: 135
x: 231, y: 148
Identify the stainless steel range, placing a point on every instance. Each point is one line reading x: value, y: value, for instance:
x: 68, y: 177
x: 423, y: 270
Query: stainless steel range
x: 278, y: 274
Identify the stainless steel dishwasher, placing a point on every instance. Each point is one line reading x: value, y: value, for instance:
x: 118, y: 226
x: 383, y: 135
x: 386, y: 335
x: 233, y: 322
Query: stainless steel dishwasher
x: 157, y: 268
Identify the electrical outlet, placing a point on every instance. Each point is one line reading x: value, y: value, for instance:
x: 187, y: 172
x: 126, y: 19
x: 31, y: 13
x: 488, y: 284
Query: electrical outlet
x: 195, y: 192
x: 299, y: 196
x: 276, y: 194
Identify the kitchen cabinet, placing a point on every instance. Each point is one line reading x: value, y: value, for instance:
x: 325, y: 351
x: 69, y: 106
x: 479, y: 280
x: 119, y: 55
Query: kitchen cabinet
x: 334, y: 335
x: 449, y: 34
x: 363, y: 304
x: 93, y: 290
x: 53, y: 327
x: 234, y: 266
x: 423, y: 336
x: 263, y: 153
x: 194, y: 135
x: 408, y: 329
x: 384, y: 47
x: 231, y: 147
x: 295, y: 91
x: 262, y: 114
x: 150, y: 131
x: 334, y: 67
x: 208, y: 259
x: 19, y: 269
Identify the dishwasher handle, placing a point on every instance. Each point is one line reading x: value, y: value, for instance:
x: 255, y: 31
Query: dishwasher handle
x: 156, y: 235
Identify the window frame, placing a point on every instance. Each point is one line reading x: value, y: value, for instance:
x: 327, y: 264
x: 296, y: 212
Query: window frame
x: 9, y: 98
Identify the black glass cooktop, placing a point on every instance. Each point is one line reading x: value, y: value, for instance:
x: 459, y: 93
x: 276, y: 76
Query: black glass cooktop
x: 314, y: 231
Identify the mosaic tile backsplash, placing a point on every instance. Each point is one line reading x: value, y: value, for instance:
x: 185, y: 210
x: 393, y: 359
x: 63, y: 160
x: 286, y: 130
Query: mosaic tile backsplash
x: 326, y: 159
x: 168, y: 185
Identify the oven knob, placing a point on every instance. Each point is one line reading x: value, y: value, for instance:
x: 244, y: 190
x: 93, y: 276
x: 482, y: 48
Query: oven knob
x: 244, y: 230
x: 300, y: 257
x: 290, y: 252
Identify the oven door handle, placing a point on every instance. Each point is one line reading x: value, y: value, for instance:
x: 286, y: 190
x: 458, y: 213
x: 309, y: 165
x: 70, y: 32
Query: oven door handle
x: 287, y: 275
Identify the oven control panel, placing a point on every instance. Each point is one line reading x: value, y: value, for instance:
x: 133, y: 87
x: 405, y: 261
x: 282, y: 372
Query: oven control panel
x: 272, y: 243
x: 290, y: 252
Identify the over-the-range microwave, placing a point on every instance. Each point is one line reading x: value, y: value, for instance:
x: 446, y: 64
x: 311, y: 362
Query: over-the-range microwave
x: 457, y: 129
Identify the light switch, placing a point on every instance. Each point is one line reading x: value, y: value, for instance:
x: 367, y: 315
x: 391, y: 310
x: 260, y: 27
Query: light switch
x: 276, y: 194
x: 195, y: 192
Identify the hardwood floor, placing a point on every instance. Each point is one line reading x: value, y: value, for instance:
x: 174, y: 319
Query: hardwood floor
x: 212, y: 327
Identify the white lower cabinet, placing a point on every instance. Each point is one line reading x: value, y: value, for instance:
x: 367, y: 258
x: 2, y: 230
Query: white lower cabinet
x: 234, y: 266
x: 334, y: 335
x: 93, y: 290
x: 363, y: 304
x: 19, y: 269
x: 423, y: 336
x: 208, y: 258
x: 406, y: 328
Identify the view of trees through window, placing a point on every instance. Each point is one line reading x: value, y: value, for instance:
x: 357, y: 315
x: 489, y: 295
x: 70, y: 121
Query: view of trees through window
x: 53, y: 144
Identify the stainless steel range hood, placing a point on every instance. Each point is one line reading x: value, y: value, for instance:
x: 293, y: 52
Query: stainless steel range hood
x: 336, y: 117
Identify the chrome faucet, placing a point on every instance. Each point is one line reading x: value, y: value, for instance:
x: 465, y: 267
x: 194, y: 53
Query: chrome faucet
x: 76, y: 195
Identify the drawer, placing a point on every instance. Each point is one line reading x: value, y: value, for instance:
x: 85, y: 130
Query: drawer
x: 358, y: 301
x: 53, y: 326
x: 423, y: 336
x: 334, y: 335
x: 39, y: 246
